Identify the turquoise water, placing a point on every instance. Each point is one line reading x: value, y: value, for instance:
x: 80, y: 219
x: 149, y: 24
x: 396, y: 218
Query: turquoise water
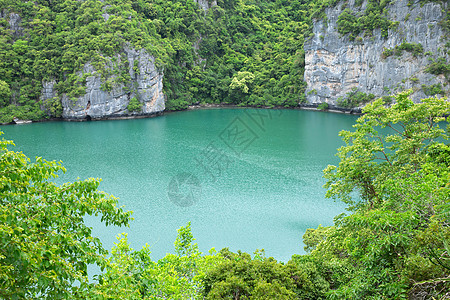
x: 247, y: 179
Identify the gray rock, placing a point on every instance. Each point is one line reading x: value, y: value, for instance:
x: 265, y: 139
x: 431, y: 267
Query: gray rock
x: 335, y: 65
x: 18, y: 121
x: 105, y: 15
x: 206, y: 4
x: 14, y: 21
x: 48, y: 90
x: 146, y: 85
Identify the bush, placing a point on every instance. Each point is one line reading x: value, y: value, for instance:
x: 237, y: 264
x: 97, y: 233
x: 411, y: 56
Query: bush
x: 387, y: 100
x: 432, y: 90
x: 439, y: 67
x: 134, y: 105
x: 53, y: 107
x: 372, y: 18
x: 393, y: 174
x: 46, y: 247
x: 355, y: 98
x: 5, y: 93
x: 322, y: 106
x: 414, y: 48
x: 178, y: 103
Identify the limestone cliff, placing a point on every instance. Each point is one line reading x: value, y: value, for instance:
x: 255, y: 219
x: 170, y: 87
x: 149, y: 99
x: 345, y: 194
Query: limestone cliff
x: 335, y: 65
x: 100, y: 102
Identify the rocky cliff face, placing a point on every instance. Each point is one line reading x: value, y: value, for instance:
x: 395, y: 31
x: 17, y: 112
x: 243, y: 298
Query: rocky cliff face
x: 335, y: 65
x: 100, y: 103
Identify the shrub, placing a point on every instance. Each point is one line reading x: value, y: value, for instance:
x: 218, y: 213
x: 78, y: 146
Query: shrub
x: 372, y: 18
x: 433, y: 90
x: 440, y: 66
x: 134, y: 105
x: 355, y: 98
x: 415, y: 48
x: 322, y: 106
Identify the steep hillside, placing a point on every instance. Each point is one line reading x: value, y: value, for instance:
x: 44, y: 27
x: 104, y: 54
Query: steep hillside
x: 101, y: 59
x: 78, y: 59
x: 366, y: 47
x: 96, y: 59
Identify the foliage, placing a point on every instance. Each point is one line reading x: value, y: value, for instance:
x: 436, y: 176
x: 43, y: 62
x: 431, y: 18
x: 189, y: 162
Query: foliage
x: 313, y: 237
x: 394, y: 175
x: 53, y: 107
x: 200, y: 52
x: 387, y: 100
x: 45, y: 247
x: 179, y: 103
x: 57, y: 39
x: 354, y: 99
x: 241, y: 82
x: 433, y: 89
x: 261, y: 38
x: 414, y: 48
x: 438, y: 67
x: 188, y: 274
x: 134, y: 105
x: 372, y: 18
x: 133, y: 275
x: 5, y: 92
x: 322, y: 106
x: 240, y: 276
x: 371, y: 154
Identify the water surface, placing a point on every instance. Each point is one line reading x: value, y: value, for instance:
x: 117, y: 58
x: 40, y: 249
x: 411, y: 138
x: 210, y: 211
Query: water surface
x: 256, y: 175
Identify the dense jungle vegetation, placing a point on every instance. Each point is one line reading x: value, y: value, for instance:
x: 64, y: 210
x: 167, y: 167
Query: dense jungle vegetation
x: 248, y: 53
x: 240, y: 52
x: 394, y: 242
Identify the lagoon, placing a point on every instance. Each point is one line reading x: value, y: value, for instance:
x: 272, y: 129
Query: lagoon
x: 245, y: 178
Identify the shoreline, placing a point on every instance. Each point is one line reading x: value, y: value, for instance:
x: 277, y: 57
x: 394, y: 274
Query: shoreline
x: 310, y: 107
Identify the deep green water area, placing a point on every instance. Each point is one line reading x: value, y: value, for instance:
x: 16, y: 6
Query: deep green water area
x: 247, y: 179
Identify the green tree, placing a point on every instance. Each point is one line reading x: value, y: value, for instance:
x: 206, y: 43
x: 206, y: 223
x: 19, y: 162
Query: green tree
x: 5, y: 93
x: 133, y: 274
x: 242, y: 81
x: 45, y: 247
x: 241, y: 277
x: 53, y: 107
x: 134, y: 105
x: 386, y: 141
x: 394, y: 174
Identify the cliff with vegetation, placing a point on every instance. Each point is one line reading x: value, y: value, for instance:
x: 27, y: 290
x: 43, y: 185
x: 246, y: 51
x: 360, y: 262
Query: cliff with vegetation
x: 142, y: 95
x: 366, y: 49
x: 96, y: 59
